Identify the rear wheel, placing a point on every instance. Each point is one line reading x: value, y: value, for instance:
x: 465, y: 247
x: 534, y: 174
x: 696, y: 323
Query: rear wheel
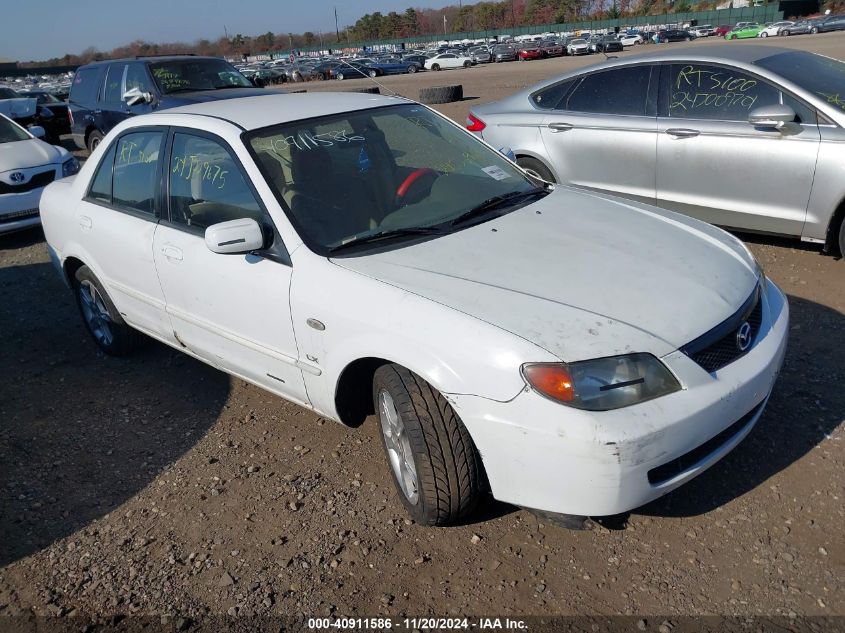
x: 467, y: 64
x: 435, y: 66
x: 433, y: 460
x: 339, y: 76
x: 372, y: 74
x: 94, y: 139
x: 412, y: 69
x: 764, y: 34
x: 535, y: 168
x: 105, y: 325
x: 814, y: 30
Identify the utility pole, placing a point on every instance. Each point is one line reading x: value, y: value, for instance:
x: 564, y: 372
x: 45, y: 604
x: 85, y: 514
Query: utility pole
x: 444, y: 25
x: 225, y: 32
x: 336, y: 27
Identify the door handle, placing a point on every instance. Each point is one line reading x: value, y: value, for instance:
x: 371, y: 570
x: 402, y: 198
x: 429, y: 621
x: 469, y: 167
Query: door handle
x: 560, y: 127
x: 682, y: 132
x: 85, y: 222
x: 171, y: 252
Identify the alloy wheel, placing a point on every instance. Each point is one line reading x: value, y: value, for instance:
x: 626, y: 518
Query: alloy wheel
x: 96, y: 313
x: 398, y: 447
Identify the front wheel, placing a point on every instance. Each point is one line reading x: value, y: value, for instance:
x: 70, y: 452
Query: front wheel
x: 372, y: 74
x: 435, y: 66
x: 467, y: 64
x: 814, y: 30
x: 434, y: 463
x: 412, y: 69
x: 339, y: 76
x: 105, y: 325
x: 764, y: 34
x: 535, y: 168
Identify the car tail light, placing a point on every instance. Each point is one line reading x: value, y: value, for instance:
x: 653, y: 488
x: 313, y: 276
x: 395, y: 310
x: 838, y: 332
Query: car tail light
x: 474, y: 124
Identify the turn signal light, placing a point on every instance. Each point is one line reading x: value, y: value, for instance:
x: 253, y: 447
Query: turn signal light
x: 474, y: 124
x: 552, y: 380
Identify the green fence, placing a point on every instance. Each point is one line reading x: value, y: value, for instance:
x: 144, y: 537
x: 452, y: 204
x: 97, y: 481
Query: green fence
x: 768, y: 13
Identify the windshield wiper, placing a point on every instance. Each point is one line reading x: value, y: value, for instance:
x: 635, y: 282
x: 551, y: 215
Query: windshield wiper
x: 497, y: 202
x: 386, y: 235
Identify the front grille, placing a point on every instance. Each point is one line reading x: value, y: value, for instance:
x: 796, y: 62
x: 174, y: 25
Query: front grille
x: 18, y: 215
x: 667, y: 471
x: 719, y: 347
x: 38, y: 180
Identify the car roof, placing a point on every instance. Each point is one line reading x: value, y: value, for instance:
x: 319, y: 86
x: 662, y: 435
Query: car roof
x: 748, y: 53
x: 251, y: 113
x: 153, y: 58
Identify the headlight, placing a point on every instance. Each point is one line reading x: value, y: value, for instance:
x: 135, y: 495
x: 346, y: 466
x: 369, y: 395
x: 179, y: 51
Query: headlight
x: 603, y: 383
x: 70, y: 167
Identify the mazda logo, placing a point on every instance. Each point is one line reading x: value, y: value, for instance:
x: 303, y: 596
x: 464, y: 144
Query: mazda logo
x: 743, y: 337
x: 17, y: 176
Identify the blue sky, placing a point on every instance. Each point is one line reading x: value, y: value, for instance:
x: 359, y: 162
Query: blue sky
x: 41, y: 29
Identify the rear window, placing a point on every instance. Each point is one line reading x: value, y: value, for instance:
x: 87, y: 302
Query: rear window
x: 84, y: 86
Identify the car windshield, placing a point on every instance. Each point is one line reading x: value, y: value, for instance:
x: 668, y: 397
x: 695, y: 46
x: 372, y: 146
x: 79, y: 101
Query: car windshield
x: 397, y: 171
x: 196, y: 74
x: 11, y: 132
x: 823, y: 76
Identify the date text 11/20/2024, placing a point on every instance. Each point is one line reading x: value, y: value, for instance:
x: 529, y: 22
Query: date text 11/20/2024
x: 415, y: 624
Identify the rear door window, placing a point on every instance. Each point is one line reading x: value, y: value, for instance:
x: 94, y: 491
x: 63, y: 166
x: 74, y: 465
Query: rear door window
x: 620, y: 91
x: 85, y: 85
x: 113, y: 90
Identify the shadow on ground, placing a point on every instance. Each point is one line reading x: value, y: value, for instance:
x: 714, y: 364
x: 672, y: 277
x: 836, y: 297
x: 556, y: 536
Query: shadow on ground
x: 806, y: 405
x: 80, y: 432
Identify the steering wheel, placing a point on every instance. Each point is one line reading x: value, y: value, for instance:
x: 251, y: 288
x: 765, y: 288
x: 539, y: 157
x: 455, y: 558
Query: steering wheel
x: 410, y: 179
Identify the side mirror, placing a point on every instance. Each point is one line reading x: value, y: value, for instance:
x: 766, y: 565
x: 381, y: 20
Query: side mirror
x: 37, y: 131
x: 134, y: 96
x: 234, y: 237
x: 771, y: 116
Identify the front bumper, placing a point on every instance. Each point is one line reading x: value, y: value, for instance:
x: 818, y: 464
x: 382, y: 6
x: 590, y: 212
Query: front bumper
x: 543, y: 455
x: 19, y: 211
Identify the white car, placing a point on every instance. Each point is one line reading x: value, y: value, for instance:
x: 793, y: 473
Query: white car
x: 705, y: 30
x: 27, y: 165
x: 630, y: 39
x: 578, y: 47
x: 361, y: 254
x: 774, y: 29
x: 448, y: 60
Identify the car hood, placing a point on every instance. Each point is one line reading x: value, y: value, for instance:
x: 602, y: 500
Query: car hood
x: 28, y: 153
x: 202, y: 96
x: 21, y: 108
x: 580, y: 275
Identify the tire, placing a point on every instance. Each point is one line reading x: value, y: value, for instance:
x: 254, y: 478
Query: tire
x: 785, y: 33
x: 763, y: 34
x: 339, y: 76
x: 372, y: 74
x: 442, y: 483
x: 842, y: 239
x: 412, y: 69
x: 467, y: 64
x: 441, y: 94
x: 94, y: 139
x: 814, y: 30
x: 535, y: 167
x: 102, y: 319
x: 435, y: 67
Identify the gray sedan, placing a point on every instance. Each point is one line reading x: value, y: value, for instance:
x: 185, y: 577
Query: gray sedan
x: 748, y: 138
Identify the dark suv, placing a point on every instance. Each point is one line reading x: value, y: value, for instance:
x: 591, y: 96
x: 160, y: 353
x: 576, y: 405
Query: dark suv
x: 105, y: 93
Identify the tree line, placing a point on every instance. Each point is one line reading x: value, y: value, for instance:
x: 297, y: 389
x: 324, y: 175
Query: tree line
x: 413, y: 22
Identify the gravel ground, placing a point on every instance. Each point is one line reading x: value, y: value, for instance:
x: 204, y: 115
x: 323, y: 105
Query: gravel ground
x: 156, y: 485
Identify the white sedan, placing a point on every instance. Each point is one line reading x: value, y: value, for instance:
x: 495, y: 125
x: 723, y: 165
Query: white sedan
x: 361, y: 254
x: 578, y: 47
x: 774, y: 29
x: 27, y: 165
x: 448, y: 60
x: 630, y: 39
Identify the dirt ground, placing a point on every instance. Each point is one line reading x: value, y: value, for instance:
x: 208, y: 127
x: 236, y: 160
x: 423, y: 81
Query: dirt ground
x: 157, y: 485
